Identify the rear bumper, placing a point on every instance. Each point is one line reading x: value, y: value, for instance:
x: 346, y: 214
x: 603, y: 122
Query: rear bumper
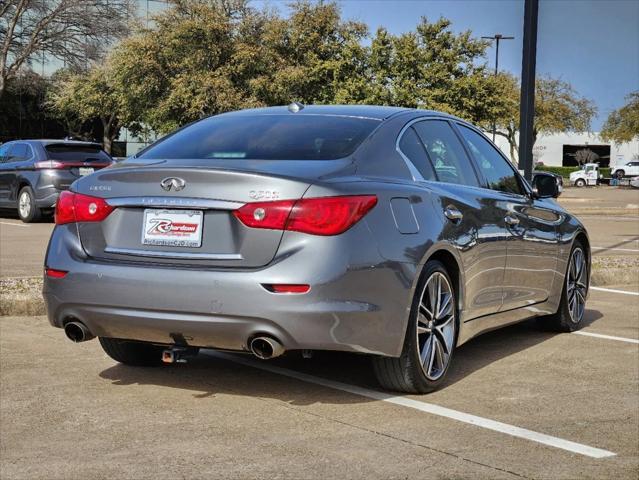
x: 358, y: 301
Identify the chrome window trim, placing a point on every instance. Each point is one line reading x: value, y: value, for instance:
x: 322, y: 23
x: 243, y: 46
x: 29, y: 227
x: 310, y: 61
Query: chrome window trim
x: 174, y: 255
x: 174, y: 202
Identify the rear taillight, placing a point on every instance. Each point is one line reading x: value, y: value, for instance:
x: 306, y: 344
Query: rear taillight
x: 49, y: 164
x: 75, y: 207
x: 287, y: 288
x: 315, y: 216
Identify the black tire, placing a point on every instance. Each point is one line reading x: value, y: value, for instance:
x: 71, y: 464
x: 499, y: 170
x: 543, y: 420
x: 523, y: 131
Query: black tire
x: 405, y: 373
x: 28, y: 211
x: 130, y: 352
x: 620, y: 174
x: 580, y: 183
x: 563, y: 320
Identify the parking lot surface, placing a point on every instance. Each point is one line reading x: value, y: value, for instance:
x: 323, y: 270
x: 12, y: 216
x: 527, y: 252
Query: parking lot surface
x: 68, y: 411
x: 519, y: 402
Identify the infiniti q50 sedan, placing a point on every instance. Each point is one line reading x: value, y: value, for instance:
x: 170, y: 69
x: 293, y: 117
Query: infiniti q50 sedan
x: 391, y: 232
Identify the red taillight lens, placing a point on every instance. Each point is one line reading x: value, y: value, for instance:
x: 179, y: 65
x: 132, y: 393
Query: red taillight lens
x: 271, y: 215
x: 50, y: 272
x: 316, y: 216
x: 75, y: 207
x: 287, y: 288
x: 329, y: 215
x: 48, y: 164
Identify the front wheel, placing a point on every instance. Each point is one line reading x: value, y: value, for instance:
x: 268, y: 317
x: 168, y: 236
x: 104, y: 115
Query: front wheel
x: 430, y: 338
x: 580, y: 183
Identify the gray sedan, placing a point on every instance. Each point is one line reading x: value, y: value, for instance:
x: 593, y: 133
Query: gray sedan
x: 391, y: 232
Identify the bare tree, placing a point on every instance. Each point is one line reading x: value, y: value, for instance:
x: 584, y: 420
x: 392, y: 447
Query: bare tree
x: 585, y: 155
x: 73, y: 31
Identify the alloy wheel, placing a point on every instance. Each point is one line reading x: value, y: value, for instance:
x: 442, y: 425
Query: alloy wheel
x: 577, y: 285
x: 436, y: 326
x: 24, y: 204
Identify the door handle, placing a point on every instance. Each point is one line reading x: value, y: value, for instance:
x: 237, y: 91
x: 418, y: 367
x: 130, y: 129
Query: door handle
x: 453, y: 214
x: 510, y: 220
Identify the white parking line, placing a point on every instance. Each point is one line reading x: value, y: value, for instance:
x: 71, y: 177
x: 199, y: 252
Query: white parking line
x: 426, y: 407
x: 625, y: 292
x: 607, y: 337
x: 15, y: 224
x: 616, y: 249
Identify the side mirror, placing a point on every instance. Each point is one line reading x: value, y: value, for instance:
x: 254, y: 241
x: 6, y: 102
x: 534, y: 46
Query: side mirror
x: 545, y: 185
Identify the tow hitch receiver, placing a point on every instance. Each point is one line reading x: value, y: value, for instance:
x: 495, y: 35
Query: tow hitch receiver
x: 178, y: 354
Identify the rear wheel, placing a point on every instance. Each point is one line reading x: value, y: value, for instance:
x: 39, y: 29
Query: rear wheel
x: 620, y: 174
x: 130, y: 352
x: 572, y: 307
x: 580, y: 183
x: 27, y: 208
x: 430, y: 337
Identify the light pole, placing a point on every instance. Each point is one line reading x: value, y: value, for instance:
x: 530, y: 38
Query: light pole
x: 497, y: 38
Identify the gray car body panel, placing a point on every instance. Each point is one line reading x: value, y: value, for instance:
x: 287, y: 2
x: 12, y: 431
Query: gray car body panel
x: 362, y: 281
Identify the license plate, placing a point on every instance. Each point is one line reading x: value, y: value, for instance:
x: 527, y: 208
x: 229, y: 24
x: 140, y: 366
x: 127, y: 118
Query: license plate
x: 85, y: 171
x: 172, y: 228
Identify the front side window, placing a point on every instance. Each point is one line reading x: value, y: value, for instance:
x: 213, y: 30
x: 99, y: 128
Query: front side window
x: 266, y: 137
x: 498, y: 172
x: 4, y: 152
x: 446, y: 153
x: 411, y: 146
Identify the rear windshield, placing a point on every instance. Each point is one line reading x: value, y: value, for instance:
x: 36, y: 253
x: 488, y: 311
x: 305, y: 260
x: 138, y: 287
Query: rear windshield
x: 266, y: 137
x: 76, y: 153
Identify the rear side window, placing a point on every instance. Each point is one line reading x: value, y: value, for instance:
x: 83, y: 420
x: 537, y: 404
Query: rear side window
x: 76, y: 153
x: 411, y: 146
x: 19, y: 152
x: 266, y: 137
x: 496, y: 169
x: 446, y: 153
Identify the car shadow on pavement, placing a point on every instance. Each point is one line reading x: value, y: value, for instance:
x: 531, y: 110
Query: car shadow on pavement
x: 210, y: 375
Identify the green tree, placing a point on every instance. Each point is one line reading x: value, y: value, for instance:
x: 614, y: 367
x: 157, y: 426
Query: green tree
x: 622, y: 125
x: 81, y: 97
x: 558, y: 108
x: 431, y: 67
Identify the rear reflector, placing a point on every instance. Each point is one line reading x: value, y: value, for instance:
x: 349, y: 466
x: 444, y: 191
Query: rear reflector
x: 75, y: 207
x: 287, y: 288
x: 52, y: 273
x: 315, y: 216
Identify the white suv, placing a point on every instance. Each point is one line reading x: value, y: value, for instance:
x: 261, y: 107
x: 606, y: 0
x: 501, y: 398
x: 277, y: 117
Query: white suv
x: 630, y: 169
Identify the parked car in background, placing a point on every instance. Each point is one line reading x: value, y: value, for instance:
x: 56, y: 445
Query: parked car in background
x: 34, y: 172
x: 385, y: 231
x: 587, y: 175
x: 630, y: 169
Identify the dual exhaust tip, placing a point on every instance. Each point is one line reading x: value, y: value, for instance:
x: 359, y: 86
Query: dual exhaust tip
x: 266, y: 347
x: 262, y: 347
x: 77, y: 332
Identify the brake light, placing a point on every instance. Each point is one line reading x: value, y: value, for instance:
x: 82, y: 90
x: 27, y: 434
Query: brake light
x: 315, y: 216
x: 48, y: 164
x: 75, y: 207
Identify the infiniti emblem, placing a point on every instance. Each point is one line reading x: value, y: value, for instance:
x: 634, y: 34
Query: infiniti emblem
x: 173, y: 183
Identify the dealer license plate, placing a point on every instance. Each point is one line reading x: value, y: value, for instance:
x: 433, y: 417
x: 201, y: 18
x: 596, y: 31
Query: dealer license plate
x: 172, y: 228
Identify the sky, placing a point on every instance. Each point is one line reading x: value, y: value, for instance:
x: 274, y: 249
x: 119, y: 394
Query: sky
x: 593, y: 44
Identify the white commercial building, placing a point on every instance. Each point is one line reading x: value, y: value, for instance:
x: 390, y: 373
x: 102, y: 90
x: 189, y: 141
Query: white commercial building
x: 559, y: 150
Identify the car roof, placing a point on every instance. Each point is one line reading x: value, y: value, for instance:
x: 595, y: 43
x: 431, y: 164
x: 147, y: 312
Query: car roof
x: 58, y: 142
x: 363, y: 111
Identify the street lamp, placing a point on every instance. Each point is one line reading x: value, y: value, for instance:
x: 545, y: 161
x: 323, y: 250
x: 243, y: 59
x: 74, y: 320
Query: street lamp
x: 497, y: 38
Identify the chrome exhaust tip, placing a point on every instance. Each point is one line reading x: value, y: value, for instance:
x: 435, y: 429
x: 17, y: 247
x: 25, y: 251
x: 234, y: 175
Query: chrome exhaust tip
x: 265, y: 348
x: 77, y: 332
